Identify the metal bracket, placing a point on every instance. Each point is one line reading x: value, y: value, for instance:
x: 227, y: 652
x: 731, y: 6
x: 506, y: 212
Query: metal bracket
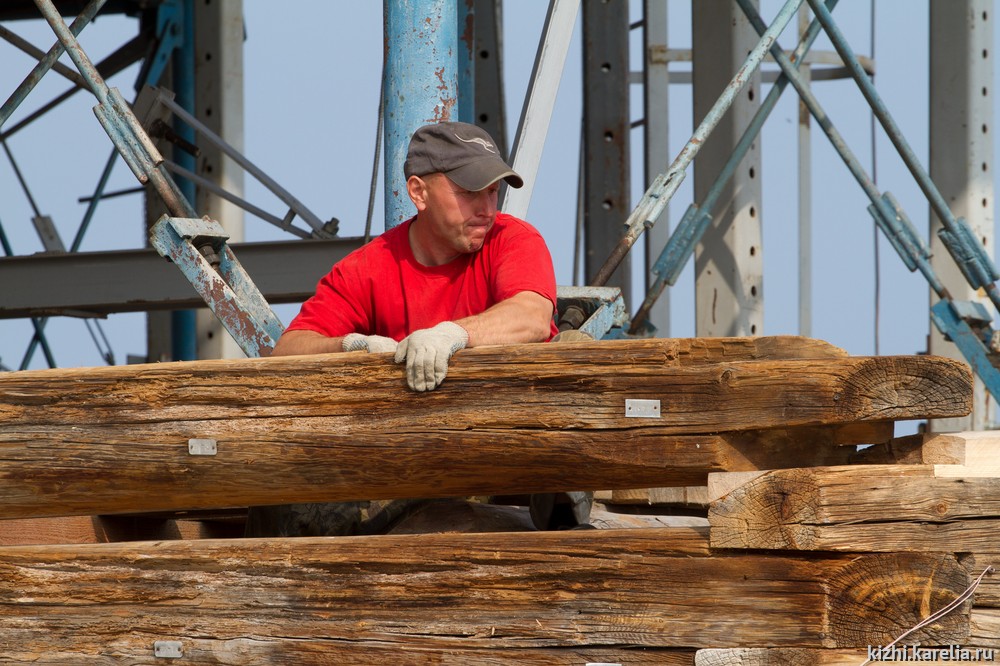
x: 966, y: 324
x: 894, y: 223
x: 198, y: 247
x: 969, y: 254
x: 168, y: 649
x: 601, y: 308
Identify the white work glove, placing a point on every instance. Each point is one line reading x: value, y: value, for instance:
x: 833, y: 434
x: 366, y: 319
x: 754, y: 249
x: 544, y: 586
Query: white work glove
x: 369, y: 343
x: 427, y: 353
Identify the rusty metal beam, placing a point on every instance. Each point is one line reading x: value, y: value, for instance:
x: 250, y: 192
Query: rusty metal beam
x: 101, y: 283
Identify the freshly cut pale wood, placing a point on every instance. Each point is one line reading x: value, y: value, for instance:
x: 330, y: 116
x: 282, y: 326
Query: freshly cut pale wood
x: 683, y: 497
x: 867, y: 508
x: 911, y: 450
x: 980, y: 450
x: 516, y: 419
x: 104, y: 529
x: 595, y: 589
x: 720, y: 485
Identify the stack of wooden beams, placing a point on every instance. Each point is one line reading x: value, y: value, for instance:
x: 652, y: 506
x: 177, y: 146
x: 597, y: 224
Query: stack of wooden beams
x: 507, y: 420
x: 950, y: 510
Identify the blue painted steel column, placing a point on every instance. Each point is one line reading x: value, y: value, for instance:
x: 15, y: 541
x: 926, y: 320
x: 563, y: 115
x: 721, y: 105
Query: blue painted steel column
x: 183, y: 331
x: 421, y: 85
x: 466, y: 31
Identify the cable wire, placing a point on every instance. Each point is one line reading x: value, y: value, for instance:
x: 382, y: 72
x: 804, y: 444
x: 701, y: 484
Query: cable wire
x: 378, y: 155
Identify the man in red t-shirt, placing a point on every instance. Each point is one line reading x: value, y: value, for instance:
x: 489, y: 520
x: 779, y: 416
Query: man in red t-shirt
x: 458, y: 274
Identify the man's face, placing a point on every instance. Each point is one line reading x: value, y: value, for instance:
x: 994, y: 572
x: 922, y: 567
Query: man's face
x: 457, y: 219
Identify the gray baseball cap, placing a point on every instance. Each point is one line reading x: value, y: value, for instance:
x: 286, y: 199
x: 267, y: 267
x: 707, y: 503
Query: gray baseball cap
x: 464, y: 153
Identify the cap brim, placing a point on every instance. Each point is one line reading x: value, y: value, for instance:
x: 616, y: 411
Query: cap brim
x: 481, y: 174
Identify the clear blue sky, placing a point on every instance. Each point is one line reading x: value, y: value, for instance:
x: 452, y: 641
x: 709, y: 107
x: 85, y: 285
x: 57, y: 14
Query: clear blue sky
x: 311, y: 86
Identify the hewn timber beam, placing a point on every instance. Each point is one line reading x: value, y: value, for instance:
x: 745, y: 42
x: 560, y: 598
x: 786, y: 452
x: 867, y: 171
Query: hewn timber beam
x: 259, y: 598
x: 523, y: 418
x: 866, y: 508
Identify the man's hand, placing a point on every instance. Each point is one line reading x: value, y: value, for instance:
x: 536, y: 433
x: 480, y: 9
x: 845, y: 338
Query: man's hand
x: 427, y: 353
x: 370, y: 343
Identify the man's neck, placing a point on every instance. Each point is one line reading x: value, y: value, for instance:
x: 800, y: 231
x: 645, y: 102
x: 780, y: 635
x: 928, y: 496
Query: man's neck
x: 423, y: 250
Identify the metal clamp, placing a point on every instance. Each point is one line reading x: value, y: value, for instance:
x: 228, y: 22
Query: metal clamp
x: 602, y: 309
x: 198, y: 247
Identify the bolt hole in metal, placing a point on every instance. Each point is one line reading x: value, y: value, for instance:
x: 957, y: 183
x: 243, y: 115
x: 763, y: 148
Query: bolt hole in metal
x: 752, y: 172
x: 607, y: 204
x: 753, y: 290
x: 753, y: 329
x: 753, y: 250
x: 753, y: 212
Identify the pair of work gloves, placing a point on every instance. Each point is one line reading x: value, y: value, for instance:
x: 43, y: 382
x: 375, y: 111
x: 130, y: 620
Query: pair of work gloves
x: 426, y: 351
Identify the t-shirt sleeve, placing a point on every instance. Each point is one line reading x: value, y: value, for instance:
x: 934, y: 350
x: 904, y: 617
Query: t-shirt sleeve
x: 523, y: 263
x: 338, y: 307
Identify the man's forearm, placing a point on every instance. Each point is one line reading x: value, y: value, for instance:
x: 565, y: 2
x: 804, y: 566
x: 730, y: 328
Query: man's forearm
x: 524, y: 317
x: 295, y: 343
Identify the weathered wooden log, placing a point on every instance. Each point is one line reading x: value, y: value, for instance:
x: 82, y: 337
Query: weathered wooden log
x: 568, y: 386
x: 580, y: 589
x: 906, y: 652
x: 866, y: 508
x: 778, y: 657
x: 988, y: 593
x: 985, y: 629
x: 523, y: 418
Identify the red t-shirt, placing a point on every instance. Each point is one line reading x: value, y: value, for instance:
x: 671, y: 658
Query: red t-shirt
x: 381, y: 289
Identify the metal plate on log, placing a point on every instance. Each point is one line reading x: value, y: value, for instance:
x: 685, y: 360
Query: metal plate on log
x: 167, y: 649
x: 202, y: 447
x: 643, y: 409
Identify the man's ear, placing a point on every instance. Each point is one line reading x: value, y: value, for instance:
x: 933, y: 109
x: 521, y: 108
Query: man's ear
x: 416, y: 187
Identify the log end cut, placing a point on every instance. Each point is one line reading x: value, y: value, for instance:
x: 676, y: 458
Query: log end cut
x: 877, y: 598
